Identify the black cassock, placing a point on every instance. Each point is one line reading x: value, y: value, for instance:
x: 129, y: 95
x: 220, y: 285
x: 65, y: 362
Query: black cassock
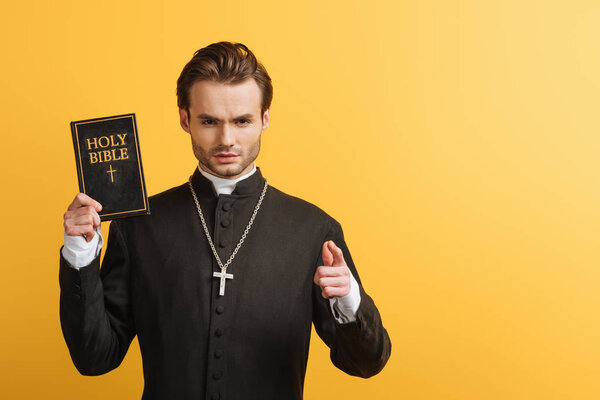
x: 157, y: 282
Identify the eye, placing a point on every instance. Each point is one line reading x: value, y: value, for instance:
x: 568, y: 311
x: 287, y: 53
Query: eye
x: 208, y: 122
x: 243, y: 121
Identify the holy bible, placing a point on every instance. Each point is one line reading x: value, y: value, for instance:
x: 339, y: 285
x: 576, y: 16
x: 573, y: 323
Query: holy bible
x: 109, y: 165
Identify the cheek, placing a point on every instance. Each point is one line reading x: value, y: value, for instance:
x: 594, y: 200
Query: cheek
x: 249, y: 143
x: 201, y: 138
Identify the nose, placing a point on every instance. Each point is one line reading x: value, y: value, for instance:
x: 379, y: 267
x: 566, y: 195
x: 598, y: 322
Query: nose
x: 226, y: 136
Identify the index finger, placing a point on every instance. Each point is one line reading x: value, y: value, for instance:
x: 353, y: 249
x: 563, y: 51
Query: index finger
x: 83, y: 199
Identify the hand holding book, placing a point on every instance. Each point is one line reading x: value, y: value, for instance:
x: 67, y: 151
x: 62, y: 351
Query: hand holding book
x: 82, y: 217
x: 109, y: 165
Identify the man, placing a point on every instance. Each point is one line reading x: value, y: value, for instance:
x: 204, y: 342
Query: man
x: 222, y: 282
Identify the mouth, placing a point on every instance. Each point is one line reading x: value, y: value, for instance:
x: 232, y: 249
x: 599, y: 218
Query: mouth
x: 226, y: 157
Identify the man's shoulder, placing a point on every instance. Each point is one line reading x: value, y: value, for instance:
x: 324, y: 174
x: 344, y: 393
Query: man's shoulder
x: 163, y: 206
x: 304, y: 215
x: 294, y: 205
x: 168, y: 195
x: 170, y: 202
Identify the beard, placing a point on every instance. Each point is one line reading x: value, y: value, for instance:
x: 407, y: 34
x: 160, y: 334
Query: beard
x: 226, y: 170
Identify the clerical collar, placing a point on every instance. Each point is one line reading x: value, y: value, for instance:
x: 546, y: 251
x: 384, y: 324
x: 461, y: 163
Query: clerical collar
x: 222, y: 185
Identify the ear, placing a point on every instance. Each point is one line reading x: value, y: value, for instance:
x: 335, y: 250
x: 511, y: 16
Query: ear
x: 266, y: 119
x: 184, y: 120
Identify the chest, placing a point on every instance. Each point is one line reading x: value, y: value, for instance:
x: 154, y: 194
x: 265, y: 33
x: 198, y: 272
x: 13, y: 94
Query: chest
x: 272, y: 271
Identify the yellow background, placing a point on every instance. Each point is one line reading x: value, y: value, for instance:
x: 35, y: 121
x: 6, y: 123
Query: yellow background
x: 456, y: 141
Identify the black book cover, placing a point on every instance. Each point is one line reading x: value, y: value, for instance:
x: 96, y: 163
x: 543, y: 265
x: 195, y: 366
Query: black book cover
x: 109, y: 165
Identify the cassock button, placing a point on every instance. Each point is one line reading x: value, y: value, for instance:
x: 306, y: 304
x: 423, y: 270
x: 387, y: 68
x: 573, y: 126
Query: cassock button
x: 223, y: 243
x: 217, y: 375
x: 225, y: 223
x: 226, y: 206
x: 219, y: 332
x: 220, y: 309
x: 218, y: 353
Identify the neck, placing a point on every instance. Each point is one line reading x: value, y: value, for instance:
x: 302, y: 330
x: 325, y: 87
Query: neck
x: 222, y: 185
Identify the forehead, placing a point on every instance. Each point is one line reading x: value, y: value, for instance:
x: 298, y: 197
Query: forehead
x: 223, y: 98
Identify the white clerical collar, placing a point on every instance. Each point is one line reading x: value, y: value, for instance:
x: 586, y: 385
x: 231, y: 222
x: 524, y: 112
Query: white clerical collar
x: 222, y: 185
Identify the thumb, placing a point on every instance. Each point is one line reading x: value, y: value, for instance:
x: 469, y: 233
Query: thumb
x: 327, y: 256
x: 338, y: 255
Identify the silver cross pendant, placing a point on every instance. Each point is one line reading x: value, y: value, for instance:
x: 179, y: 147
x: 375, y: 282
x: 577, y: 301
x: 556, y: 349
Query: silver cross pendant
x: 223, y: 276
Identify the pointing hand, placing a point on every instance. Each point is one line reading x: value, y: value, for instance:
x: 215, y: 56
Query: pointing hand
x: 334, y: 277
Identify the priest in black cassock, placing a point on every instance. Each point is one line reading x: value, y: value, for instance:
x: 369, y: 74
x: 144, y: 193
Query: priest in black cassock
x: 222, y: 282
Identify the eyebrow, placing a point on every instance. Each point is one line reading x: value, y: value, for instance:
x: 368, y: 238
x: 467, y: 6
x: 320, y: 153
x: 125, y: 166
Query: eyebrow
x: 206, y: 116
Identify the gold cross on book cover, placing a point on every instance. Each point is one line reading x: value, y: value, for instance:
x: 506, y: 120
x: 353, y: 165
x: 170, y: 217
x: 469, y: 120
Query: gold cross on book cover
x: 109, y: 165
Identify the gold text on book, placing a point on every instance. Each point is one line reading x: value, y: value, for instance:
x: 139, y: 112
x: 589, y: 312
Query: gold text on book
x: 107, y: 148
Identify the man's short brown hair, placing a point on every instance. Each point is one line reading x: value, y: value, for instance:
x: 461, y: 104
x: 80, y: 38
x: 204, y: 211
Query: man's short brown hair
x: 223, y: 62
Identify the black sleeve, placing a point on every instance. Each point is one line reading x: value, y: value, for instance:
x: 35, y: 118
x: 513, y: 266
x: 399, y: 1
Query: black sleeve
x: 95, y: 308
x: 359, y: 348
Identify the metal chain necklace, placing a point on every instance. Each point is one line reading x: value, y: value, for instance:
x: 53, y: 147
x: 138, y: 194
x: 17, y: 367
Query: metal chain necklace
x: 223, y: 275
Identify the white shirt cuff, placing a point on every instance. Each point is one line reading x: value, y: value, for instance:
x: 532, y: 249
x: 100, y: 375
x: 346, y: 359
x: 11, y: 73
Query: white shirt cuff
x: 344, y: 308
x: 78, y: 252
